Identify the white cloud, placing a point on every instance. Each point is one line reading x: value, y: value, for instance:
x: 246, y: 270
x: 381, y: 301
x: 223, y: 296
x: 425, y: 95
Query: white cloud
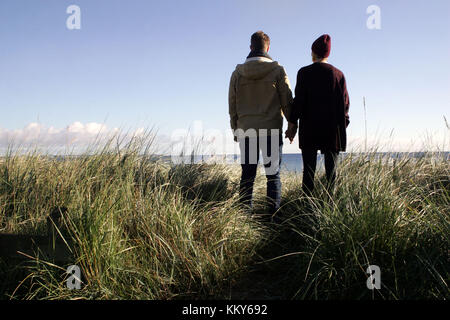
x: 75, y: 136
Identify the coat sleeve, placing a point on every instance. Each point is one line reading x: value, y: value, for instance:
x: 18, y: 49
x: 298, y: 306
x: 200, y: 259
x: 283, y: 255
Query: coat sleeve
x: 285, y: 94
x: 346, y: 100
x: 300, y: 97
x: 232, y: 102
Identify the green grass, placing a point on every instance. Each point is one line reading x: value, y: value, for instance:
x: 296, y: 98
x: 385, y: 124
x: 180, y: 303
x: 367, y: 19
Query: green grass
x: 395, y: 216
x: 148, y: 230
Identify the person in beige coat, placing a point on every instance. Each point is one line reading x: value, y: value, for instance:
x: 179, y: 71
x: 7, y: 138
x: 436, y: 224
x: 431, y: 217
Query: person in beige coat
x: 259, y: 96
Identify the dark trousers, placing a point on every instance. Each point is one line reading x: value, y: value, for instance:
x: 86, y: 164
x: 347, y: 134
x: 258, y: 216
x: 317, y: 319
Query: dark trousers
x: 271, y: 151
x: 309, y: 169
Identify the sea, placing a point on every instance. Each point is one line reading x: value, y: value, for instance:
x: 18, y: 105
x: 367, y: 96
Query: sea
x: 293, y: 162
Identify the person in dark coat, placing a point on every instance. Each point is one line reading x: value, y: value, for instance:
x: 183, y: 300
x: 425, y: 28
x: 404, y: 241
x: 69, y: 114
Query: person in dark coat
x: 321, y: 106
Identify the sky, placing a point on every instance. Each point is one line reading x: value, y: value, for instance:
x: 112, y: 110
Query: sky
x: 166, y: 65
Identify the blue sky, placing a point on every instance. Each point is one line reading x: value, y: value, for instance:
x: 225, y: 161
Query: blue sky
x: 166, y: 64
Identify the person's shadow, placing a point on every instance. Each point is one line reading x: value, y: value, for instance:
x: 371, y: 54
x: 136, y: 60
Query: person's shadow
x: 274, y: 273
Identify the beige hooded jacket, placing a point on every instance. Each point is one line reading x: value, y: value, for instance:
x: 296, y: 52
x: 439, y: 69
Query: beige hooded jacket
x: 259, y: 94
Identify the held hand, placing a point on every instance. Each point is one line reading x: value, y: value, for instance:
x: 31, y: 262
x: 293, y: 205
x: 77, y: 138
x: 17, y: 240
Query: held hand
x: 291, y: 131
x: 287, y: 135
x: 290, y: 136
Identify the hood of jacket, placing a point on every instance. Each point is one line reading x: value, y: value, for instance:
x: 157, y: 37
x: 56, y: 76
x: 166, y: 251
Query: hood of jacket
x: 255, y: 70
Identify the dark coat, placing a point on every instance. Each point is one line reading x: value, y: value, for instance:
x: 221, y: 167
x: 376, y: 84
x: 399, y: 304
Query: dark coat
x: 321, y: 103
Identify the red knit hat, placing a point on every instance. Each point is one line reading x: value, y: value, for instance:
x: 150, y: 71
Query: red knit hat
x: 322, y: 46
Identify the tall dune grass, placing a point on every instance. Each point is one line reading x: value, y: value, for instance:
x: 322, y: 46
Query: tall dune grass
x: 139, y: 229
x: 394, y: 214
x: 142, y: 229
